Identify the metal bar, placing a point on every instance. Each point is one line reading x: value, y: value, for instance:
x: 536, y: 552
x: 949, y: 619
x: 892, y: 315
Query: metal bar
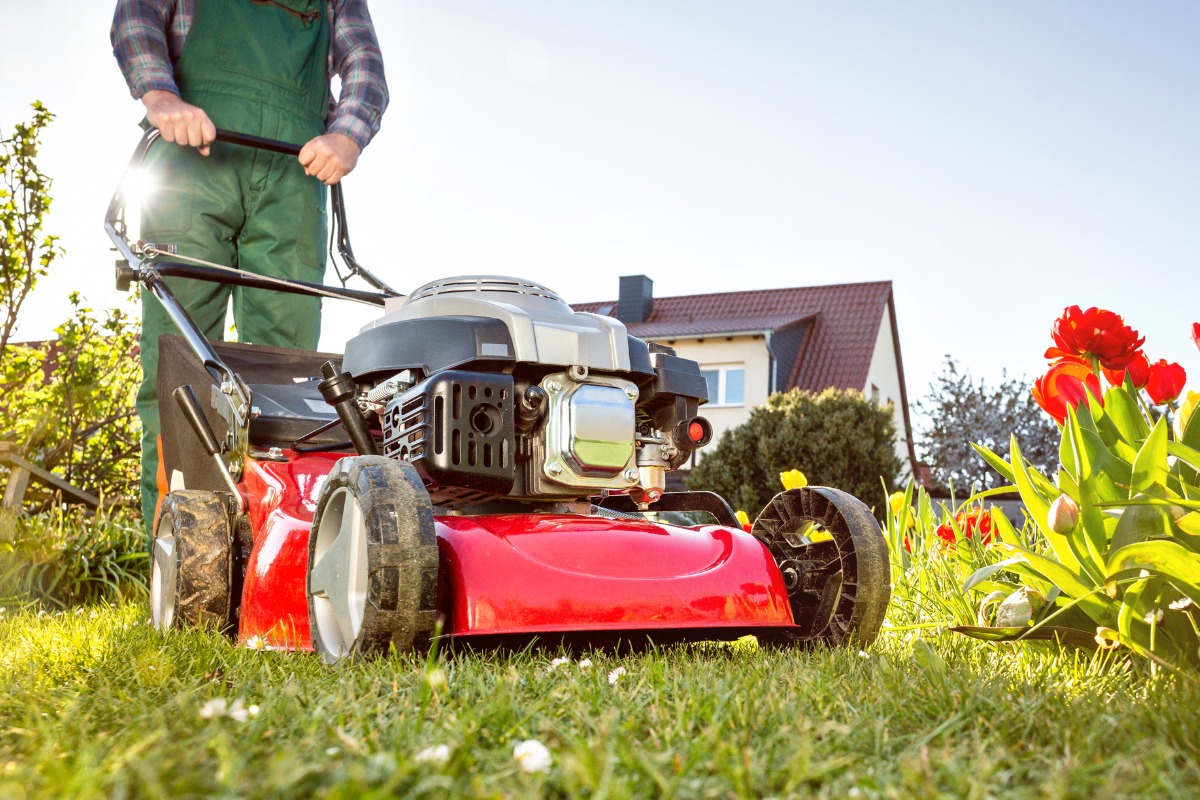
x: 172, y: 269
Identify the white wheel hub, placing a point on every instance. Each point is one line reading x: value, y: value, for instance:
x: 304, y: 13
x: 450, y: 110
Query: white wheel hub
x: 338, y: 580
x: 164, y: 577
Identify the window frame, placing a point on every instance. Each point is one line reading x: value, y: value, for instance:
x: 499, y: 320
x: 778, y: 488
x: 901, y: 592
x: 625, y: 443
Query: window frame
x: 723, y: 370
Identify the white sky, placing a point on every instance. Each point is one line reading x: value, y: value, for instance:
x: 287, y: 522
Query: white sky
x: 996, y: 161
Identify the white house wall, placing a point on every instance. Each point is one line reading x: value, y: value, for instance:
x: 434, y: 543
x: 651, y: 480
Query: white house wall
x: 884, y: 374
x: 750, y: 351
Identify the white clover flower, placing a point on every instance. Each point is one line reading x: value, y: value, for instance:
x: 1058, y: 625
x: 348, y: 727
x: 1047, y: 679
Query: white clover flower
x: 255, y: 642
x: 214, y: 708
x: 1154, y: 615
x: 556, y: 663
x: 585, y: 663
x: 220, y: 707
x: 1178, y: 605
x: 438, y: 754
x: 532, y: 756
x: 863, y: 654
x: 615, y: 675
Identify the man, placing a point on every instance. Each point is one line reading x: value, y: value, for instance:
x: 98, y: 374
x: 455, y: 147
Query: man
x: 261, y: 67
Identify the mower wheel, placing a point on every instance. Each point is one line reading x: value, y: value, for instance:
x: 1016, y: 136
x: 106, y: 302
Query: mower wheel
x: 372, y: 560
x: 834, y: 561
x: 191, y: 577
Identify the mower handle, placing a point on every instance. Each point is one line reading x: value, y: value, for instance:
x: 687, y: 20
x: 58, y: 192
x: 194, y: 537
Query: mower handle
x: 260, y: 142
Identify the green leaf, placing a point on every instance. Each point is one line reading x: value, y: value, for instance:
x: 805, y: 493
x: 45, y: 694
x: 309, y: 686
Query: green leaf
x: 983, y: 573
x: 1122, y: 409
x: 1150, y: 467
x: 996, y: 462
x: 1165, y: 558
x: 1189, y: 455
x: 1052, y: 633
x: 1100, y: 607
x: 1190, y: 523
x: 1139, y: 523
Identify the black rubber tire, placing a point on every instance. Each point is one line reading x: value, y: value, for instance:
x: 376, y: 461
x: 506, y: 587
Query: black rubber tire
x: 838, y: 588
x: 203, y: 553
x: 401, y: 573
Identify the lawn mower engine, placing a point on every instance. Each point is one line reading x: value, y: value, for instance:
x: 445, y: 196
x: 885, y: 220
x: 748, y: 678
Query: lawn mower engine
x: 494, y: 388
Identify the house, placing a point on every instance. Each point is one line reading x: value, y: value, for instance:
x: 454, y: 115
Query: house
x: 751, y: 344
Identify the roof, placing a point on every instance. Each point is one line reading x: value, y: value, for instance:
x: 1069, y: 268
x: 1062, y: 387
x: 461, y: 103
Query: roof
x: 838, y: 341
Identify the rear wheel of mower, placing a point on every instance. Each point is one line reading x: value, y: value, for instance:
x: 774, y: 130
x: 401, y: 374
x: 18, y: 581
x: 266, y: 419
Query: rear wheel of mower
x: 372, y: 560
x: 191, y: 578
x: 834, y: 561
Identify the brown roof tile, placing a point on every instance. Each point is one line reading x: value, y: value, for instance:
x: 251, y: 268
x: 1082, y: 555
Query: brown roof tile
x: 837, y: 351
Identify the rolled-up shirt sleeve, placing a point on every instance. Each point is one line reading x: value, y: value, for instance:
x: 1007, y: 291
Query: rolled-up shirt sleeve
x: 140, y: 43
x: 354, y: 56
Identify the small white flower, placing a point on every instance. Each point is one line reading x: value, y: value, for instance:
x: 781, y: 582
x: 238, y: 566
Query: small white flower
x: 556, y: 663
x: 1178, y: 605
x: 532, y: 756
x: 863, y: 654
x: 1154, y: 615
x: 438, y: 754
x: 214, y: 708
x: 615, y: 675
x: 585, y: 663
x: 220, y: 707
x: 255, y: 642
x: 332, y: 751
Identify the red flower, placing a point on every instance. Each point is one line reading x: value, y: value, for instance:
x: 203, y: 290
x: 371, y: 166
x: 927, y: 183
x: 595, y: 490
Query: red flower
x: 1066, y: 382
x: 1094, y: 335
x: 1138, y: 371
x: 1196, y: 333
x: 1165, y: 382
x: 974, y: 524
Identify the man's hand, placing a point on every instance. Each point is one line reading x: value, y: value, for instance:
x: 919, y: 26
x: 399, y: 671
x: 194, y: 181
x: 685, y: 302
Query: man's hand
x: 329, y: 157
x: 179, y: 121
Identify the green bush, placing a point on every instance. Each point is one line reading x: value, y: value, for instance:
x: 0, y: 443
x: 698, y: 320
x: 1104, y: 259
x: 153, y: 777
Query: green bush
x: 837, y: 438
x: 66, y: 558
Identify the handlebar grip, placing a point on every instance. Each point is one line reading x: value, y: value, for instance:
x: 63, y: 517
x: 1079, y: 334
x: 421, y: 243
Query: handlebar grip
x: 246, y: 140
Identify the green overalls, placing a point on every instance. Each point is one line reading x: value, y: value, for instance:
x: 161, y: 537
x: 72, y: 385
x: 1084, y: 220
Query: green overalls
x: 256, y: 67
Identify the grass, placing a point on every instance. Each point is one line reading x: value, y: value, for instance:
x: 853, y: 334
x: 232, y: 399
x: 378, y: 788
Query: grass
x: 97, y: 704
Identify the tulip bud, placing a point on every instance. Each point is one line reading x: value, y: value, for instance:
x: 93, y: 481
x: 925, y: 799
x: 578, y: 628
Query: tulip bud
x: 896, y: 502
x: 1064, y: 515
x: 1018, y: 608
x: 743, y: 519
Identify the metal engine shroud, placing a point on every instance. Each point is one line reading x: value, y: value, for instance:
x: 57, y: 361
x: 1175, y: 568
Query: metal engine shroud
x: 495, y: 387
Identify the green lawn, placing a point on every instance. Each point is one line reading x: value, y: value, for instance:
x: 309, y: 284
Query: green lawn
x: 96, y: 703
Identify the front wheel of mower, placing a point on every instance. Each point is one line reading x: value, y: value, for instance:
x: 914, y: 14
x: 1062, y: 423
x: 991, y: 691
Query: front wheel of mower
x: 191, y: 577
x: 372, y: 560
x: 834, y: 561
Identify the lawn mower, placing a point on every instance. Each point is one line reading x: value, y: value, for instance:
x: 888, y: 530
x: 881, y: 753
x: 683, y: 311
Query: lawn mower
x: 482, y: 463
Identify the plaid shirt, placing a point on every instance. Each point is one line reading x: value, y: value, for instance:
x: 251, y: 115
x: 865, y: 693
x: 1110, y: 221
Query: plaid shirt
x: 148, y: 36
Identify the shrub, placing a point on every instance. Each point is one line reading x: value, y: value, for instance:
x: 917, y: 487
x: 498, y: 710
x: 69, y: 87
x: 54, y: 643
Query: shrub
x: 65, y: 558
x: 837, y: 438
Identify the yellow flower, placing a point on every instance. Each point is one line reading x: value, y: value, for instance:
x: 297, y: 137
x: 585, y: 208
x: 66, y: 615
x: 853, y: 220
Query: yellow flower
x: 1185, y: 412
x: 896, y: 503
x: 793, y: 479
x: 742, y: 517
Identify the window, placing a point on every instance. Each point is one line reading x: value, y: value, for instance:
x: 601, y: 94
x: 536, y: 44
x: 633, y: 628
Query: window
x: 726, y: 384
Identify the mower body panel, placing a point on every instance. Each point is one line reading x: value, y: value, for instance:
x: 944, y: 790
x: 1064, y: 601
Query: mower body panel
x: 549, y: 573
x: 520, y: 574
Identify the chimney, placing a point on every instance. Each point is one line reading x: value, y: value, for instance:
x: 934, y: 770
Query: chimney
x: 636, y: 299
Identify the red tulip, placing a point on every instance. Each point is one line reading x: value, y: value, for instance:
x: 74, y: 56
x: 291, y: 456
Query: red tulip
x: 974, y: 524
x: 1196, y: 333
x: 1138, y: 371
x: 1166, y: 381
x: 1068, y: 381
x: 1094, y: 335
